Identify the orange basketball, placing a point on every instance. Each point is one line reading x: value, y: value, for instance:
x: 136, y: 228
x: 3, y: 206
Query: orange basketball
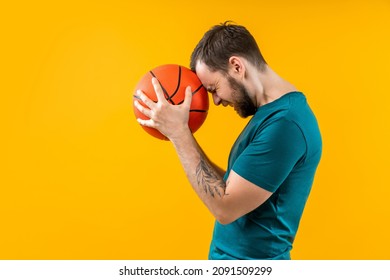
x: 174, y: 79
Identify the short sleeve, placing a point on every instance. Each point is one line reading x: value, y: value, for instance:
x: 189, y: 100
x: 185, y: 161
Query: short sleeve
x: 272, y: 154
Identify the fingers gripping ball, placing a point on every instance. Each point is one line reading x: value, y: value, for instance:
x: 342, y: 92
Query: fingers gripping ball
x: 174, y: 79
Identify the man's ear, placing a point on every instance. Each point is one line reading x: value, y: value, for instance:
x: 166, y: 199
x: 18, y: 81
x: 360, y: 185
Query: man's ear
x: 237, y: 66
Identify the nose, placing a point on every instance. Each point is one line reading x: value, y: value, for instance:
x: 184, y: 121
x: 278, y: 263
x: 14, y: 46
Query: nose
x: 217, y: 100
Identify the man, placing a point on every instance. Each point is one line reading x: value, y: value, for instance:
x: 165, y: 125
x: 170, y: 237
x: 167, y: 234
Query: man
x: 259, y: 200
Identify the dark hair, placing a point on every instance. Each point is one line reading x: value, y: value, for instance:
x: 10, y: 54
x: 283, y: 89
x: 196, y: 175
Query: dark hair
x: 224, y: 41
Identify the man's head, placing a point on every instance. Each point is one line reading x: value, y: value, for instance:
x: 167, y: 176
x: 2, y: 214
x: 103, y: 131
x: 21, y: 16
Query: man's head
x: 220, y: 59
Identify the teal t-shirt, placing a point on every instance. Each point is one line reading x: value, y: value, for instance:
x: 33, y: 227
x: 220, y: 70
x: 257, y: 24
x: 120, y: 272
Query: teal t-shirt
x: 279, y: 150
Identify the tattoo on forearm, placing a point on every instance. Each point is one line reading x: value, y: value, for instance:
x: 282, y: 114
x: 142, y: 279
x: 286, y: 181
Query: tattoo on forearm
x: 208, y: 179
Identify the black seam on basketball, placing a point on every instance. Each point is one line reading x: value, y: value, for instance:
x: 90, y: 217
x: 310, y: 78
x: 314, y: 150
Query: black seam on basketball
x: 197, y: 89
x: 164, y: 90
x: 192, y: 93
x: 178, y: 84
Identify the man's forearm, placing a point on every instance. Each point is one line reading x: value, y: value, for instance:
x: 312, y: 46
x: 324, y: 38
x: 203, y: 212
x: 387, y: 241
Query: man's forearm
x: 205, y: 178
x: 209, y: 179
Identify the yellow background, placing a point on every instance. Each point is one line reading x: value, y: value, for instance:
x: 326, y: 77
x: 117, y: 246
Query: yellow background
x: 81, y: 180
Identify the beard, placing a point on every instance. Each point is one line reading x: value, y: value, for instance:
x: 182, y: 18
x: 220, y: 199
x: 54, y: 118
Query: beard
x: 241, y: 100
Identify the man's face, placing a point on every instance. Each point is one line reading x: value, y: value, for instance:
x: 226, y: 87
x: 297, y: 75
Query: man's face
x: 226, y: 91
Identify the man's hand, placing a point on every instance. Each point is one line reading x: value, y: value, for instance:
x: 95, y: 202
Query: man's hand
x: 170, y: 120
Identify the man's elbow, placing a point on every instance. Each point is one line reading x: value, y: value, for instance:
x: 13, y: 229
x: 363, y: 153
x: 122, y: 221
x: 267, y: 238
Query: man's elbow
x: 225, y: 218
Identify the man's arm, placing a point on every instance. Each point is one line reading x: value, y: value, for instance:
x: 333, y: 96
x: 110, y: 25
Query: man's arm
x: 227, y: 201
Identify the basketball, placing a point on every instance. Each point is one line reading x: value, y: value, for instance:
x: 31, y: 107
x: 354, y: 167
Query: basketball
x: 174, y: 79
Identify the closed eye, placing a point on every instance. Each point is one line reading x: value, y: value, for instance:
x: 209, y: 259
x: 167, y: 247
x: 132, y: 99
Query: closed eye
x: 212, y: 90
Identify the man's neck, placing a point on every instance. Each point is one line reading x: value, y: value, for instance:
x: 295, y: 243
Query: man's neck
x: 272, y: 87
